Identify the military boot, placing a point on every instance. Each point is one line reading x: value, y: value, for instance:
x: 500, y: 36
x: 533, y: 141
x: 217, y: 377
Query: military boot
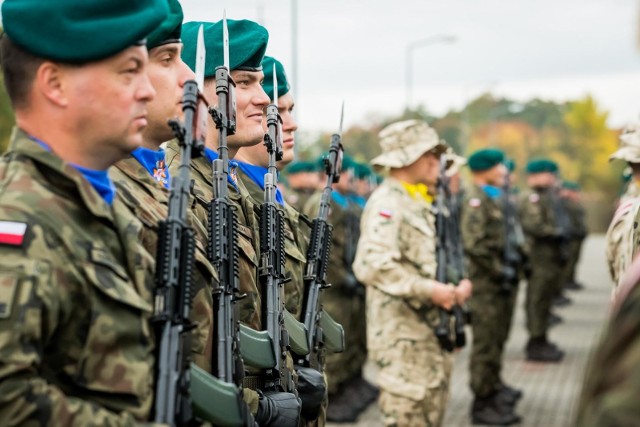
x: 508, y: 395
x: 540, y: 350
x: 487, y: 411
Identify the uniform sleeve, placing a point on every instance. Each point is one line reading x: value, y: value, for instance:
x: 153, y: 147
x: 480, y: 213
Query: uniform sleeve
x: 378, y: 258
x: 32, y: 294
x: 477, y: 246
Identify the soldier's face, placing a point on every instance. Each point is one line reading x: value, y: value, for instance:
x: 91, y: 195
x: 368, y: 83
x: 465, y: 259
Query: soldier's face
x: 431, y: 168
x: 289, y: 127
x: 251, y: 100
x: 108, y: 102
x: 497, y: 175
x: 167, y: 73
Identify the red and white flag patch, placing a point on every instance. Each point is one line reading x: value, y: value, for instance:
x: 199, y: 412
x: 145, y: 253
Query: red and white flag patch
x: 475, y: 202
x: 12, y: 233
x: 534, y: 198
x: 386, y: 213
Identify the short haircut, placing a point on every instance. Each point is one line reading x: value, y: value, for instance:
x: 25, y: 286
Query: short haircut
x: 19, y: 69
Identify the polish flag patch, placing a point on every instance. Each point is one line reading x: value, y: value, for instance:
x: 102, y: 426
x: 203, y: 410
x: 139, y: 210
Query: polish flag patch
x: 475, y: 203
x: 386, y: 213
x: 12, y: 233
x: 534, y: 198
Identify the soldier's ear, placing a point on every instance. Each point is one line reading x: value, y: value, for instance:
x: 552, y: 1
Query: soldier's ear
x: 49, y: 83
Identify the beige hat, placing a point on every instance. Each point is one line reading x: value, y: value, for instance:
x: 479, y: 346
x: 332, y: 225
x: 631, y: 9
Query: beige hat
x: 454, y: 162
x: 629, y: 150
x: 404, y: 142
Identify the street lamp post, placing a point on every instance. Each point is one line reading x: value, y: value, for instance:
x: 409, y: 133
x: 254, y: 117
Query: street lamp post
x: 411, y: 47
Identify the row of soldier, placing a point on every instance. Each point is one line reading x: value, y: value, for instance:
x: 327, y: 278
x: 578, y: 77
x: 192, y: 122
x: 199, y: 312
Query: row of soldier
x: 487, y: 233
x: 89, y: 198
x: 133, y: 246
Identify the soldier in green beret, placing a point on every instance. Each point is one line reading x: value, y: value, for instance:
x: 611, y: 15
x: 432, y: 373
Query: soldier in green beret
x: 572, y: 201
x: 252, y: 166
x: 304, y: 180
x: 349, y: 392
x: 247, y: 44
x: 495, y: 281
x: 545, y: 224
x: 76, y: 346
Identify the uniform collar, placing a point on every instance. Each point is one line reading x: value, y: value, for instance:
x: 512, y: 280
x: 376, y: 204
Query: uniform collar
x: 232, y: 178
x: 155, y: 163
x: 256, y: 174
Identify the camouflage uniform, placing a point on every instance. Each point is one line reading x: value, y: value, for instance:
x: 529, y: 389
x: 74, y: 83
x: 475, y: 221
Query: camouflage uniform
x: 148, y: 201
x: 297, y: 233
x: 345, y: 291
x: 202, y: 174
x: 541, y: 226
x: 483, y: 231
x: 577, y: 234
x: 76, y: 342
x: 298, y: 197
x: 396, y: 261
x: 612, y: 384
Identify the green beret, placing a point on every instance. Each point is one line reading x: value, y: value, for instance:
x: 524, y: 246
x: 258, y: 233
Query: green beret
x: 169, y: 30
x: 247, y: 44
x: 542, y: 165
x: 283, y: 83
x: 348, y: 163
x: 570, y: 185
x: 302, y: 166
x: 483, y: 160
x: 362, y: 171
x: 510, y: 164
x: 80, y: 31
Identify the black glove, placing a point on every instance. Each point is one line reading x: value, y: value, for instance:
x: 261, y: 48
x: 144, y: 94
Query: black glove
x: 311, y: 389
x: 278, y: 409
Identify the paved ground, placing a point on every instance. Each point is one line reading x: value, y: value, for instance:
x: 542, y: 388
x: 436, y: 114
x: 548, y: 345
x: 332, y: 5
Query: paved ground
x: 550, y: 390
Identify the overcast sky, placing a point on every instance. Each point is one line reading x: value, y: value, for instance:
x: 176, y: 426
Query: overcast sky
x: 356, y: 50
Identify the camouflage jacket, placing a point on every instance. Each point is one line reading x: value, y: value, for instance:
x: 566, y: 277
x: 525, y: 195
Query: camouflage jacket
x: 396, y: 261
x: 297, y: 197
x: 76, y: 346
x: 621, y: 240
x: 346, y: 232
x: 537, y: 214
x: 202, y: 174
x: 576, y: 212
x: 148, y: 201
x: 297, y: 233
x: 483, y: 231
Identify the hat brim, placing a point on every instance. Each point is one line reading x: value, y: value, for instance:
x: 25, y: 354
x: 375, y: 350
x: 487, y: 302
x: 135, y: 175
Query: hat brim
x: 628, y: 154
x: 407, y: 155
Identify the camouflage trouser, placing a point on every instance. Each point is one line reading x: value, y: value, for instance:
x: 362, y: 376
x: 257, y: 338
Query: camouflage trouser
x: 414, y: 383
x: 569, y: 270
x: 490, y: 311
x: 349, y: 311
x: 508, y: 310
x: 545, y: 274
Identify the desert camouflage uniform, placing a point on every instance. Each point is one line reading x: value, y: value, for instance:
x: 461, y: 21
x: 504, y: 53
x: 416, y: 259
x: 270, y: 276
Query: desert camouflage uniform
x: 632, y: 192
x: 612, y: 384
x: 148, y: 201
x: 76, y: 344
x: 621, y: 240
x: 396, y: 261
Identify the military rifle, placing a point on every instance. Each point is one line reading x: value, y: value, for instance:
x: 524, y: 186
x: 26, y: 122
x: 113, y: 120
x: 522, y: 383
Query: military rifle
x: 175, y: 261
x: 323, y: 331
x: 272, y: 255
x: 446, y: 271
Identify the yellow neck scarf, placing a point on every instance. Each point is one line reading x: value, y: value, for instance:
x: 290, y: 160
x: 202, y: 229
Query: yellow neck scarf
x: 418, y: 191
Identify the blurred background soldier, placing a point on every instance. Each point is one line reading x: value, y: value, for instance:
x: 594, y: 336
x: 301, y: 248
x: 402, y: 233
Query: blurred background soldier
x: 621, y: 245
x: 304, y: 179
x: 572, y: 198
x: 545, y: 225
x: 494, y: 273
x: 396, y: 260
x: 349, y: 392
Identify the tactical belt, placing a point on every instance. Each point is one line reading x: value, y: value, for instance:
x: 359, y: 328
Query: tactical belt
x: 253, y: 382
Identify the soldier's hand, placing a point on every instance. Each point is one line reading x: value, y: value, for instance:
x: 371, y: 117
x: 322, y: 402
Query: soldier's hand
x: 278, y: 409
x: 463, y: 291
x: 443, y: 295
